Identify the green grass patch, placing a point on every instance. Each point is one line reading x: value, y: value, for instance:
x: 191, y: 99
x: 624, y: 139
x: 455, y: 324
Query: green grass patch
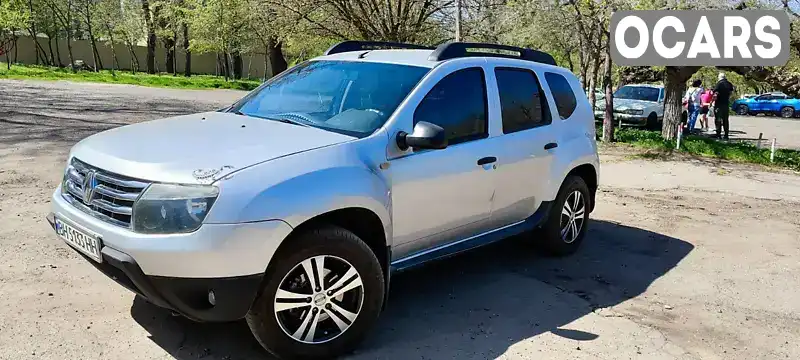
x: 709, y: 147
x: 125, y: 77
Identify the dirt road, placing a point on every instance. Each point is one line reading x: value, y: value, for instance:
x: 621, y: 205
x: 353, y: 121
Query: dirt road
x: 684, y: 260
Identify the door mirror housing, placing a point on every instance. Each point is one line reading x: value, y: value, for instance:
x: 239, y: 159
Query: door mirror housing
x: 424, y: 136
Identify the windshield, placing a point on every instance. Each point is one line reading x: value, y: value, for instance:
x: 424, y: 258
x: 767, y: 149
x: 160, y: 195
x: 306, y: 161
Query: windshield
x: 351, y: 98
x: 645, y: 93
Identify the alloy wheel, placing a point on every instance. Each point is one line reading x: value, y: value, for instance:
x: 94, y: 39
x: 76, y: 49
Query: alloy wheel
x: 572, y: 216
x: 787, y: 112
x: 319, y: 299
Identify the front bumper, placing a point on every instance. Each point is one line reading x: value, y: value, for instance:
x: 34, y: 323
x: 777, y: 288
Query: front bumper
x: 627, y: 119
x: 177, y: 271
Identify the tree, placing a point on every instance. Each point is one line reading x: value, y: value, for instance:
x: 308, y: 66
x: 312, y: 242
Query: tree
x: 64, y: 13
x: 14, y: 15
x: 150, y: 26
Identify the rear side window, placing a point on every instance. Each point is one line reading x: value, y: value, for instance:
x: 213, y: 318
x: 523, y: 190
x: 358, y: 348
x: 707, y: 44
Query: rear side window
x: 457, y: 104
x: 521, y: 100
x: 562, y: 94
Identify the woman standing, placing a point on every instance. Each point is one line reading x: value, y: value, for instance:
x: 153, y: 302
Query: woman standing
x: 705, y: 103
x: 692, y: 99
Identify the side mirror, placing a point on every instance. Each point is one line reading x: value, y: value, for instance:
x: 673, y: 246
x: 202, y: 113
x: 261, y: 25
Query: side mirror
x: 425, y: 136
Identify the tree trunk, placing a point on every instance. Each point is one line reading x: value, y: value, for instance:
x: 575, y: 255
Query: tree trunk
x: 594, y: 78
x: 151, y: 38
x: 114, y: 60
x: 8, y: 61
x: 69, y: 51
x: 608, y: 118
x: 58, y: 53
x: 187, y: 66
x: 93, y: 41
x: 34, y: 33
x: 236, y: 56
x: 98, y: 63
x: 276, y: 61
x: 134, y: 59
x: 52, y: 56
x: 675, y: 78
x: 226, y: 70
x: 16, y: 48
x: 169, y: 50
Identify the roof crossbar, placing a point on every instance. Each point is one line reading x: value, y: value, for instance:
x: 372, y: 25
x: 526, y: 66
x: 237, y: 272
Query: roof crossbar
x: 452, y: 50
x: 355, y: 45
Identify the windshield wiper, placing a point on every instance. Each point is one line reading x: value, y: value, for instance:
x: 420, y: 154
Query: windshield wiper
x: 289, y: 121
x: 283, y: 120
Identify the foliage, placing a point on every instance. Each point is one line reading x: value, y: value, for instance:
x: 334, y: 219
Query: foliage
x: 125, y: 77
x: 14, y: 15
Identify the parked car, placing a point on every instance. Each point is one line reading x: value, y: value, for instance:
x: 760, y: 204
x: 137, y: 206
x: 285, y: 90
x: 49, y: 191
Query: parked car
x: 639, y: 105
x: 770, y: 103
x: 292, y: 207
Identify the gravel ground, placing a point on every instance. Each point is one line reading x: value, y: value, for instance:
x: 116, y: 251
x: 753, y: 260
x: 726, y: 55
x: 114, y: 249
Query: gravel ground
x: 683, y: 260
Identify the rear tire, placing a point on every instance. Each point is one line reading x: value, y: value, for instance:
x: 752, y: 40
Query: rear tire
x: 339, y: 312
x: 571, y: 207
x: 787, y: 112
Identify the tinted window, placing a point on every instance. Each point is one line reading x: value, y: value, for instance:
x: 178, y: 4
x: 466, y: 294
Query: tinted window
x: 521, y: 100
x: 457, y: 104
x: 562, y: 94
x: 353, y: 98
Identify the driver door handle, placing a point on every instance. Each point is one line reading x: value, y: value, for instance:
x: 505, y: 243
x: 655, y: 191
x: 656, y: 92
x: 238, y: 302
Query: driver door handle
x: 487, y: 160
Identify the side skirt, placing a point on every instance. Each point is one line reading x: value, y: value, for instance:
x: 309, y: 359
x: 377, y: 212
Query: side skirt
x: 458, y: 246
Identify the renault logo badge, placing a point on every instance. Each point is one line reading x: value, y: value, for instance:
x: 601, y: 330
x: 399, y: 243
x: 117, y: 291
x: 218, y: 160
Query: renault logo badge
x: 89, y: 183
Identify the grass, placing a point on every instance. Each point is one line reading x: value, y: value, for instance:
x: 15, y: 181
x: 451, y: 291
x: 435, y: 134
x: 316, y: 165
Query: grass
x: 708, y: 147
x: 124, y: 77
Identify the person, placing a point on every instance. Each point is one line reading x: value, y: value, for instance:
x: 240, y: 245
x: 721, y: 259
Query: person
x: 705, y: 104
x: 692, y: 99
x: 722, y: 96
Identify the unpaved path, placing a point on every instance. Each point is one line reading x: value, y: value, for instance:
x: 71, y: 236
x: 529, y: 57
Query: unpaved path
x: 684, y: 260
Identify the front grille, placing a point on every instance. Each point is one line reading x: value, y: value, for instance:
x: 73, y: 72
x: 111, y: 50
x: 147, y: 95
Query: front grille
x: 110, y: 196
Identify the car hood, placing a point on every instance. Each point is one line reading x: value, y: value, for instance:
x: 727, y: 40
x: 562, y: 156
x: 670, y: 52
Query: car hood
x: 199, y: 148
x: 624, y: 104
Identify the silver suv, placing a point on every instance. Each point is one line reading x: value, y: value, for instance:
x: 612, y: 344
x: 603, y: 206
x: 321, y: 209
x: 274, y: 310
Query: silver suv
x: 292, y: 207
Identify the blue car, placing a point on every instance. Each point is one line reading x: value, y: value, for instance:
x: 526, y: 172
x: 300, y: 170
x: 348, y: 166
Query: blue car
x: 771, y: 103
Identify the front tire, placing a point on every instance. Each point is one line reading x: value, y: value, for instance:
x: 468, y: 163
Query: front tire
x: 322, y: 294
x: 742, y: 110
x: 652, y: 122
x: 565, y: 228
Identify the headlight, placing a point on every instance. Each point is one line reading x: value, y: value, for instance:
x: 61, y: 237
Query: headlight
x: 169, y: 209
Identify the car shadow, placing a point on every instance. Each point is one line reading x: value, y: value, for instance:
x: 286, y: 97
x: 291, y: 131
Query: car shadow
x: 474, y: 305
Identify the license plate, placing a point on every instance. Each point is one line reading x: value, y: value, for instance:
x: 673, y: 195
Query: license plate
x: 79, y: 239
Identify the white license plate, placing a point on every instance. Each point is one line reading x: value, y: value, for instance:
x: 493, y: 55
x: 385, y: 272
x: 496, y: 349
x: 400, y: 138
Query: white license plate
x: 79, y: 239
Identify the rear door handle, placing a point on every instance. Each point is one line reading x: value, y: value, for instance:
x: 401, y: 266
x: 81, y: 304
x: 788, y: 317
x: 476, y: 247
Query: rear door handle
x: 549, y: 146
x: 487, y: 160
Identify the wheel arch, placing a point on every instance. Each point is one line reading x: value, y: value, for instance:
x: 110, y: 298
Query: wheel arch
x: 589, y: 175
x: 362, y: 222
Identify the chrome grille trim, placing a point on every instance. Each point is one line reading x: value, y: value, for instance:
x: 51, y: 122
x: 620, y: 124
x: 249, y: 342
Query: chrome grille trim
x: 116, y: 194
x: 111, y: 196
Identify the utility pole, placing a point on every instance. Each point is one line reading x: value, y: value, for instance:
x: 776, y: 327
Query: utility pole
x: 458, y: 20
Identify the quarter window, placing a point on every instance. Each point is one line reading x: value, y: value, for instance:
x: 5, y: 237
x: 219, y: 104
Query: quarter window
x: 562, y: 94
x: 457, y: 104
x: 521, y: 100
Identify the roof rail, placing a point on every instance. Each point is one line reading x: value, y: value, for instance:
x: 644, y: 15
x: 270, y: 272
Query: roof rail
x: 452, y: 50
x: 355, y: 45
